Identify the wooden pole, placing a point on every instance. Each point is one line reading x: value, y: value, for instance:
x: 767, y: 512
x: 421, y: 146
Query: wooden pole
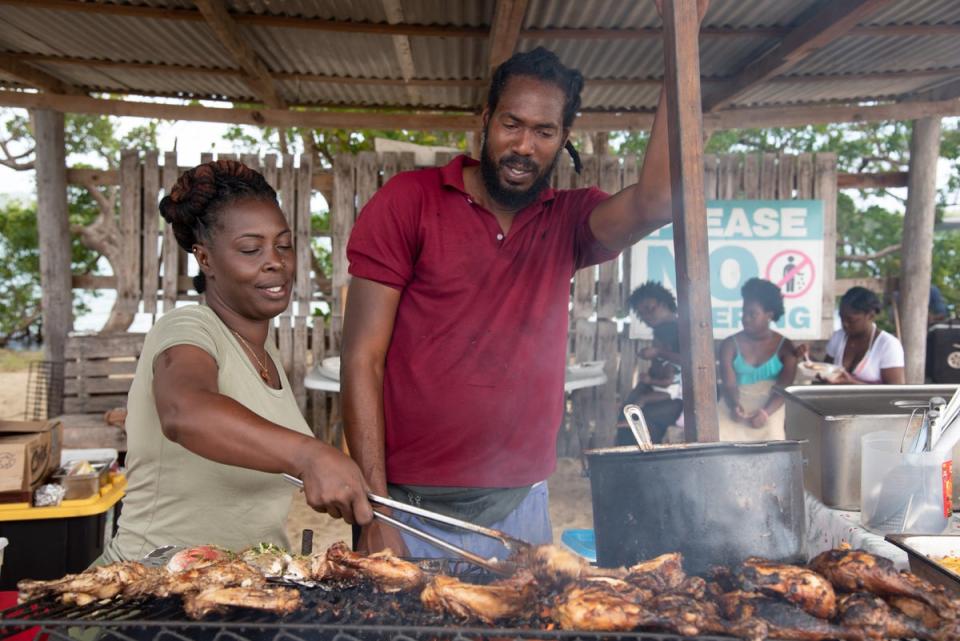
x: 682, y: 84
x: 918, y: 244
x: 53, y: 229
x: 601, y: 143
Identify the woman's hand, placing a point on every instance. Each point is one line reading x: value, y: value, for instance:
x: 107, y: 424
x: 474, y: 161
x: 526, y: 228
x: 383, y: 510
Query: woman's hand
x: 332, y: 483
x: 843, y: 377
x: 741, y: 413
x: 802, y: 352
x: 650, y: 353
x: 759, y: 418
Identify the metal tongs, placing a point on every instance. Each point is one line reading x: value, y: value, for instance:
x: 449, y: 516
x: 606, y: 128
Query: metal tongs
x: 497, y: 566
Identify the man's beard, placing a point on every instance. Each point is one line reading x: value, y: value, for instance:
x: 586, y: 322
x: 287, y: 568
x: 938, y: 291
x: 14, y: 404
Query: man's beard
x: 510, y: 197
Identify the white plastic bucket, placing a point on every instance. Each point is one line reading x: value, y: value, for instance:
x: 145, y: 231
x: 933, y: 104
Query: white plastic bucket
x: 900, y: 491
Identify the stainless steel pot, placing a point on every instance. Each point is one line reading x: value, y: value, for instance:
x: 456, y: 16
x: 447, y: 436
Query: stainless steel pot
x: 717, y: 503
x: 830, y: 419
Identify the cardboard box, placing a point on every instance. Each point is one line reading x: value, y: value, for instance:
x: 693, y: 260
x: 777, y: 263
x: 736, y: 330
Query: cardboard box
x: 29, y: 452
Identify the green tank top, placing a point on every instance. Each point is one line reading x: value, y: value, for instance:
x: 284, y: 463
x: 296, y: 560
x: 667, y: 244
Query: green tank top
x: 768, y: 370
x: 175, y: 497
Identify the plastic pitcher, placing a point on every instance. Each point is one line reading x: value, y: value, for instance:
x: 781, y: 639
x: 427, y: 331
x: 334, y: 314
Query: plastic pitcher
x: 903, y: 492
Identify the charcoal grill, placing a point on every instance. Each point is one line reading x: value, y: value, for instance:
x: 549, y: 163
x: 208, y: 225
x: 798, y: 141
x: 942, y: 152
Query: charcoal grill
x: 351, y: 614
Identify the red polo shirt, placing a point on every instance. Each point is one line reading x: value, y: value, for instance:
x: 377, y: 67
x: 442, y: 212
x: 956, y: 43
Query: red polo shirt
x: 473, y: 386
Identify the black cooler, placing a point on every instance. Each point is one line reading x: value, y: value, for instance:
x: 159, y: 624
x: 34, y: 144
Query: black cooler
x: 943, y: 352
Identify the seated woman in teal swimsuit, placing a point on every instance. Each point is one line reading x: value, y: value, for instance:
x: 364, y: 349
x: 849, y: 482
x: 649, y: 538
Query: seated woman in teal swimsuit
x: 752, y: 361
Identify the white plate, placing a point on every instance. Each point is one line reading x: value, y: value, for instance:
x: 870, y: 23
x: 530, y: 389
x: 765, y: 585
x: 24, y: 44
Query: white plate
x: 330, y: 367
x: 811, y: 370
x: 586, y: 368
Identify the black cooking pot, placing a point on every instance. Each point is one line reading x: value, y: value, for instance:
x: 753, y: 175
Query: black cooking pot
x: 717, y: 503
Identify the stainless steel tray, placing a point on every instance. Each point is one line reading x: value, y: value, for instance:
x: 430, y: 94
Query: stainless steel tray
x: 924, y: 549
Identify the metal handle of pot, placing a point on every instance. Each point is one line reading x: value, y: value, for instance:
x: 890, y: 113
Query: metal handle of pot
x: 638, y: 425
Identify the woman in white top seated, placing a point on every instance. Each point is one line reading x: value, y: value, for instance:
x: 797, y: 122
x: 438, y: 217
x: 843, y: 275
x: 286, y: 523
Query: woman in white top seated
x: 868, y: 354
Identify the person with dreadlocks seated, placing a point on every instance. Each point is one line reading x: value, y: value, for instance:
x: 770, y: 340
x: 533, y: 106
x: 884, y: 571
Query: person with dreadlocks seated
x: 455, y: 331
x: 212, y: 420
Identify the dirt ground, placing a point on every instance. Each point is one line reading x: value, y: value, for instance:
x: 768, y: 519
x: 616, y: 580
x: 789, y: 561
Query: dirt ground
x: 13, y: 390
x: 570, y: 508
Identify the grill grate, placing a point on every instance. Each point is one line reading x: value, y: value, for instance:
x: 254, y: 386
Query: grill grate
x: 349, y: 614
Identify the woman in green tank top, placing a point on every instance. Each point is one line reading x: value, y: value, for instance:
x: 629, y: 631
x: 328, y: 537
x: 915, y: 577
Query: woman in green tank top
x: 752, y: 362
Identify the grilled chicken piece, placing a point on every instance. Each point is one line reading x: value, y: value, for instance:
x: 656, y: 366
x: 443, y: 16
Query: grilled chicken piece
x: 859, y: 571
x: 77, y: 598
x: 226, y: 574
x: 661, y: 574
x: 323, y: 569
x: 270, y: 561
x: 801, y: 586
x: 916, y: 610
x: 783, y: 620
x: 383, y: 569
x: 554, y: 565
x: 299, y: 568
x: 497, y: 600
x: 103, y: 582
x: 603, y: 604
x: 692, y: 617
x: 694, y: 587
x: 878, y: 620
x: 278, y: 600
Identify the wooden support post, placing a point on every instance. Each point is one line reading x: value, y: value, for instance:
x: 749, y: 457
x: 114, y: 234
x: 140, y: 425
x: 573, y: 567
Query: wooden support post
x: 918, y: 244
x: 53, y: 229
x: 601, y: 143
x: 682, y: 83
x: 825, y: 189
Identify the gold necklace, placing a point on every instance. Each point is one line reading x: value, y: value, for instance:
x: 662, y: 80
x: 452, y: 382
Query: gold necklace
x: 261, y: 368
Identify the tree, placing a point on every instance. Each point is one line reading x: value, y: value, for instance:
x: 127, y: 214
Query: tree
x: 20, y: 312
x: 91, y: 208
x: 325, y: 144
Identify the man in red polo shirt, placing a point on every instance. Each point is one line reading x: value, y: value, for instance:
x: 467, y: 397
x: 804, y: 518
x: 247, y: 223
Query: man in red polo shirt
x: 454, y: 338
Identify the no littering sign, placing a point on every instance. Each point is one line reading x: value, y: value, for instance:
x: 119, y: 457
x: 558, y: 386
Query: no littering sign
x: 779, y: 240
x: 793, y: 272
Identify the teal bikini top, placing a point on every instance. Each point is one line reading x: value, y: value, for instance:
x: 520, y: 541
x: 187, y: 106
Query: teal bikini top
x: 768, y: 370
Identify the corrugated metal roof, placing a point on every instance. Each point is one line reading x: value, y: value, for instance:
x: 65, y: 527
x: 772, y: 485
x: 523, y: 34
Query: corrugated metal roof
x: 829, y: 91
x: 365, y: 95
x: 916, y: 12
x: 89, y: 35
x: 610, y: 14
x: 335, y: 54
x: 610, y: 98
x: 739, y: 14
x: 446, y: 58
x: 353, y: 10
x: 870, y: 53
x: 110, y: 37
x: 446, y: 12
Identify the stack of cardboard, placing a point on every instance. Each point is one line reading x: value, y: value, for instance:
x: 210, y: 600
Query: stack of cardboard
x: 29, y: 453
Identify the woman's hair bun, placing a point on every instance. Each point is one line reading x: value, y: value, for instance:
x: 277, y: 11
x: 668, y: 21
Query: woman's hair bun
x: 188, y: 206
